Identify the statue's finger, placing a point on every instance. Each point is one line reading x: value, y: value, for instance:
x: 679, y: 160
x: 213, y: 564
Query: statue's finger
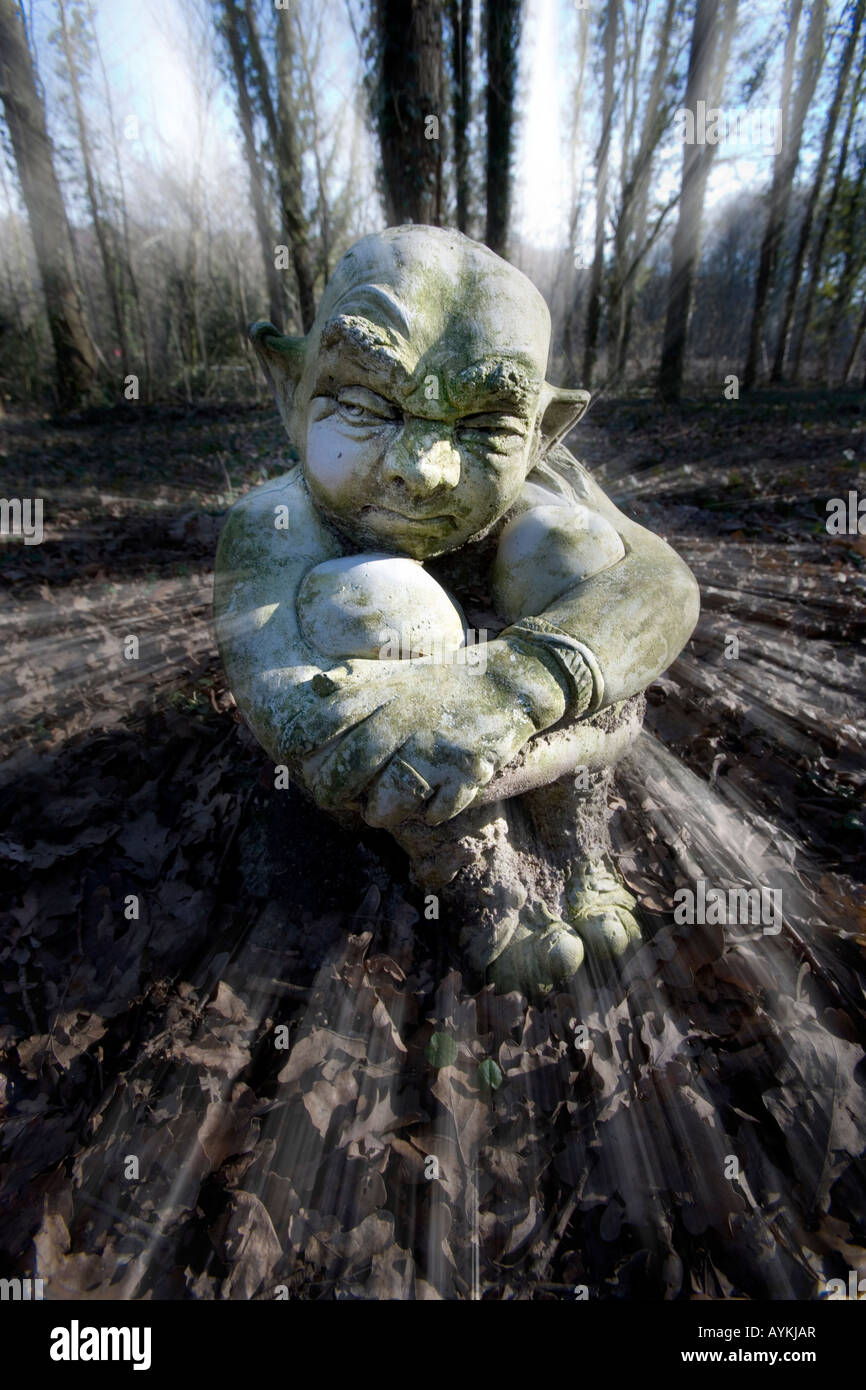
x: 398, y: 792
x: 449, y: 801
x: 340, y: 775
x: 321, y: 722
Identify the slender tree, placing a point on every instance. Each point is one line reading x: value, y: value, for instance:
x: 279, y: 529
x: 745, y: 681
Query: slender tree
x: 71, y: 39
x: 573, y: 253
x: 289, y: 170
x: 631, y: 239
x: 460, y: 15
x: 794, y: 107
x: 502, y: 26
x: 821, y: 167
x: 602, y: 163
x: 311, y: 101
x: 124, y: 259
x: 406, y: 102
x: 23, y: 296
x: 281, y: 123
x: 231, y: 26
x: 76, y: 358
x: 708, y: 60
x: 850, y: 253
x: 855, y: 345
x: 825, y: 221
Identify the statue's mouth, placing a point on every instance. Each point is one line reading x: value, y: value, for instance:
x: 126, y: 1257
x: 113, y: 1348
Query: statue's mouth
x: 407, y: 519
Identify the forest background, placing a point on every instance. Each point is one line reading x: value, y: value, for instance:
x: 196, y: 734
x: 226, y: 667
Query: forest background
x: 175, y: 170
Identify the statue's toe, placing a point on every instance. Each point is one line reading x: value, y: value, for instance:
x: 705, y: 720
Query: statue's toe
x: 610, y: 932
x: 565, y: 953
x: 536, y: 961
x: 599, y: 909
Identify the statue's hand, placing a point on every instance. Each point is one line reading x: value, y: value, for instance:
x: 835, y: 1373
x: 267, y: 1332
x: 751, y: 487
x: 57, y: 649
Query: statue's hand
x: 436, y: 774
x: 418, y: 739
x: 336, y: 703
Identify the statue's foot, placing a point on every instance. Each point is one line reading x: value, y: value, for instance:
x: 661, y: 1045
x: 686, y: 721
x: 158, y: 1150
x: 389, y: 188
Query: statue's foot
x: 543, y: 953
x: 600, y: 910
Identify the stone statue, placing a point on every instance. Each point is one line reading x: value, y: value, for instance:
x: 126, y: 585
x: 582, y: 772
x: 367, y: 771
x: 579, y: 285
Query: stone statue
x: 432, y: 492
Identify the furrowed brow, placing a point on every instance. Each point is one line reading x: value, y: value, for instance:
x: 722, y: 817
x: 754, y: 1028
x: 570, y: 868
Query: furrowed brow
x: 488, y: 386
x: 483, y: 402
x: 362, y: 342
x: 374, y: 303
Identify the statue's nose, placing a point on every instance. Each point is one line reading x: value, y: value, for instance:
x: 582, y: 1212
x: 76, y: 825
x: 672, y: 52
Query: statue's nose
x: 422, y: 463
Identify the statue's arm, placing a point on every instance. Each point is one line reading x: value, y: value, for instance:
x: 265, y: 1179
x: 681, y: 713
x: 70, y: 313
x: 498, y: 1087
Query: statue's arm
x: 621, y: 626
x: 270, y: 540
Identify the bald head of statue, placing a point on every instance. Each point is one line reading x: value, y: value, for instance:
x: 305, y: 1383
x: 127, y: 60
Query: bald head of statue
x: 418, y: 400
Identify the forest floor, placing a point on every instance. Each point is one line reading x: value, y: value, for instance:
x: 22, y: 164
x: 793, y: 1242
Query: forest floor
x: 217, y: 1006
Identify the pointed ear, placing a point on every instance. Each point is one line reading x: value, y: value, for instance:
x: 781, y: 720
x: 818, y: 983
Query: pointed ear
x: 282, y: 361
x: 558, y: 411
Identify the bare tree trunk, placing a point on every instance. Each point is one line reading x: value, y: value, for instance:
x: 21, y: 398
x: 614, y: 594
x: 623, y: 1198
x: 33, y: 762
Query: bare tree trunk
x: 572, y: 314
x: 794, y: 108
x: 704, y: 82
x: 52, y: 239
x: 260, y: 71
x: 817, y: 256
x: 407, y: 94
x: 17, y: 273
x: 231, y: 29
x: 631, y: 221
x: 280, y: 123
x: 855, y: 344
x: 109, y: 267
x: 321, y: 184
x: 593, y: 312
x: 461, y: 29
x: 290, y: 173
x: 851, y: 242
x: 815, y: 192
x: 125, y: 261
x: 502, y: 33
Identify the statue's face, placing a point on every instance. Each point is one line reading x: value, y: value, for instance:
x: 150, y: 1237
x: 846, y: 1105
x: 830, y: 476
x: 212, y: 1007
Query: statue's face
x: 419, y: 409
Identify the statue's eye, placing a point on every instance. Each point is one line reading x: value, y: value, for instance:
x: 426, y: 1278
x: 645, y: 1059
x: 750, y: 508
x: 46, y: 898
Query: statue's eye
x: 358, y: 404
x: 494, y: 425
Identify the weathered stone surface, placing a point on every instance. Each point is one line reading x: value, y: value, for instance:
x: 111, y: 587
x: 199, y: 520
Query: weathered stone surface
x: 378, y: 604
x: 433, y: 490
